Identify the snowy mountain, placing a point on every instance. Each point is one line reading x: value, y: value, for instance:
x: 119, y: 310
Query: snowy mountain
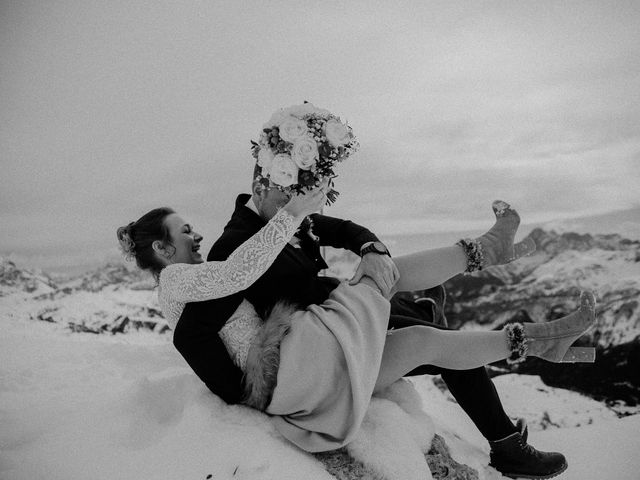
x: 546, y: 285
x: 87, y: 366
x: 18, y: 280
x: 540, y: 287
x: 116, y: 274
x: 112, y: 299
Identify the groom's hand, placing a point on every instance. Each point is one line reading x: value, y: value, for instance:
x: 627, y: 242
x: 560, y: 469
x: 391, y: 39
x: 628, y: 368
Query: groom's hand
x: 380, y: 268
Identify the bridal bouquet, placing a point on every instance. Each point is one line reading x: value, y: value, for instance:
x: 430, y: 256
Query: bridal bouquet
x: 299, y: 147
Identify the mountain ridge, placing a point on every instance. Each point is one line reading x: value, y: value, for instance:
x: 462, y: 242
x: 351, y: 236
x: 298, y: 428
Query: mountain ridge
x: 547, y: 284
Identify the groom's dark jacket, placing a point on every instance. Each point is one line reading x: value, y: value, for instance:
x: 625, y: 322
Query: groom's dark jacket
x: 292, y: 277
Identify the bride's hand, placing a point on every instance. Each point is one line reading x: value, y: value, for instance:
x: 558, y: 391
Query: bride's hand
x: 301, y: 205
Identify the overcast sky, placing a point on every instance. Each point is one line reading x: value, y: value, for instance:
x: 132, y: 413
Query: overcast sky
x: 111, y: 108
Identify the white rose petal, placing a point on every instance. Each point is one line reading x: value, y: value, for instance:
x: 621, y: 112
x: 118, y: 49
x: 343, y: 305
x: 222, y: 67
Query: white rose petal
x: 298, y: 111
x: 306, y: 109
x: 284, y: 171
x: 337, y: 134
x: 305, y: 153
x: 275, y: 120
x: 293, y: 128
x: 265, y: 160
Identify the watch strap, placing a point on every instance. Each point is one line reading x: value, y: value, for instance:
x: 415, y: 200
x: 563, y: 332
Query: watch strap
x: 375, y: 247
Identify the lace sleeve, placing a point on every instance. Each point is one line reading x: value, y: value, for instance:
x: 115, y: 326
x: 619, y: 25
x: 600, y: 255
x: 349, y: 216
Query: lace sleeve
x: 184, y: 282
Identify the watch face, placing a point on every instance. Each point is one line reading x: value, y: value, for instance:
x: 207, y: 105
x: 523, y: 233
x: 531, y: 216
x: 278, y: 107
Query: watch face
x: 379, y: 247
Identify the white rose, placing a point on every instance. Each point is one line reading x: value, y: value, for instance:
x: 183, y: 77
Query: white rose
x: 284, y: 171
x: 305, y: 153
x: 298, y: 111
x: 276, y: 119
x: 265, y: 160
x: 337, y: 134
x: 306, y: 109
x: 292, y: 128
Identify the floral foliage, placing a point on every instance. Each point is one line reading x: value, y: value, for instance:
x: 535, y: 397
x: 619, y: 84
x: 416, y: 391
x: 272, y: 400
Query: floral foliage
x: 300, y: 146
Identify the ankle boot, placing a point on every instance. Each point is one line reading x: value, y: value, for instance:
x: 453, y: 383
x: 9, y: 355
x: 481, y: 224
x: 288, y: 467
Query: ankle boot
x: 496, y: 247
x: 552, y: 341
x: 514, y: 457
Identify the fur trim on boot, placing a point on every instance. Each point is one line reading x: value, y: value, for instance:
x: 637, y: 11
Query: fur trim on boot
x: 263, y: 359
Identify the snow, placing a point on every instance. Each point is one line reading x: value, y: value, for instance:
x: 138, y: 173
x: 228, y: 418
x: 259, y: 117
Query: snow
x: 77, y: 406
x: 604, y: 451
x: 604, y: 271
x: 527, y: 396
x: 90, y: 309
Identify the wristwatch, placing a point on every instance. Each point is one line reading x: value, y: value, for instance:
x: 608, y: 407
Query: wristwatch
x: 374, y: 247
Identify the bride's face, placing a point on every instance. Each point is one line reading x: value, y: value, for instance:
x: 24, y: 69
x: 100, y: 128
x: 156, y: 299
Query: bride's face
x: 185, y: 240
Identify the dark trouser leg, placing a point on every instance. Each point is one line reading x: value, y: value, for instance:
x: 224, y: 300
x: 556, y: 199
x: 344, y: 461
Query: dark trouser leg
x: 476, y: 394
x: 473, y: 389
x: 426, y: 305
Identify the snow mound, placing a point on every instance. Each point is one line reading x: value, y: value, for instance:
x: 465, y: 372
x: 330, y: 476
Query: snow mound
x: 77, y: 406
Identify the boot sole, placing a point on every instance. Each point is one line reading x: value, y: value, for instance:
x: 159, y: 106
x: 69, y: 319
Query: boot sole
x: 535, y: 477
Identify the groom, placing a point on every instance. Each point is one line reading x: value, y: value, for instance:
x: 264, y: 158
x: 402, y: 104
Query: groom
x: 294, y: 277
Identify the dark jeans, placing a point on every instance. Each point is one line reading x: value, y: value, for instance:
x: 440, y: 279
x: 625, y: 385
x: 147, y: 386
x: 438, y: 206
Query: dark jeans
x: 473, y: 389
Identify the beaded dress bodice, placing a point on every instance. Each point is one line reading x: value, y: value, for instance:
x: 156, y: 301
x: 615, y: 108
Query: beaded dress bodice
x: 181, y: 283
x: 239, y: 331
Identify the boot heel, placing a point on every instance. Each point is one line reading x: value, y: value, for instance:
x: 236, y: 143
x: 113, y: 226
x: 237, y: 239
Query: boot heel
x: 579, y: 355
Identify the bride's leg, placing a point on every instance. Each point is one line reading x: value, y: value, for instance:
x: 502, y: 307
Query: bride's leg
x: 410, y: 347
x: 429, y: 268
x: 426, y: 269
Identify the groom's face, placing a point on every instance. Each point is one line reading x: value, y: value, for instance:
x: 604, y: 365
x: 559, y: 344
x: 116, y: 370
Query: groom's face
x: 269, y: 201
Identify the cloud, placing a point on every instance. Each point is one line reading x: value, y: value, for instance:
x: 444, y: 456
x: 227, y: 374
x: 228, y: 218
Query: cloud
x: 108, y: 111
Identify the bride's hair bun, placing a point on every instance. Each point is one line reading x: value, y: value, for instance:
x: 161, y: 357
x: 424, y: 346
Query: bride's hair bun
x: 127, y: 245
x: 136, y: 239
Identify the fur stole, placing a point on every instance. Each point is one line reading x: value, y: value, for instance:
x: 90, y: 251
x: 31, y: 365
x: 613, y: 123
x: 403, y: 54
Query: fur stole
x: 263, y: 359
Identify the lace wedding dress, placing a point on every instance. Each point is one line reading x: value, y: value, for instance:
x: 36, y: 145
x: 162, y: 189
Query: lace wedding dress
x: 181, y: 283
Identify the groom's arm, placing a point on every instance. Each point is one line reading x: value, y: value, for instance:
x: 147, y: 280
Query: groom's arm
x: 196, y: 338
x: 338, y: 233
